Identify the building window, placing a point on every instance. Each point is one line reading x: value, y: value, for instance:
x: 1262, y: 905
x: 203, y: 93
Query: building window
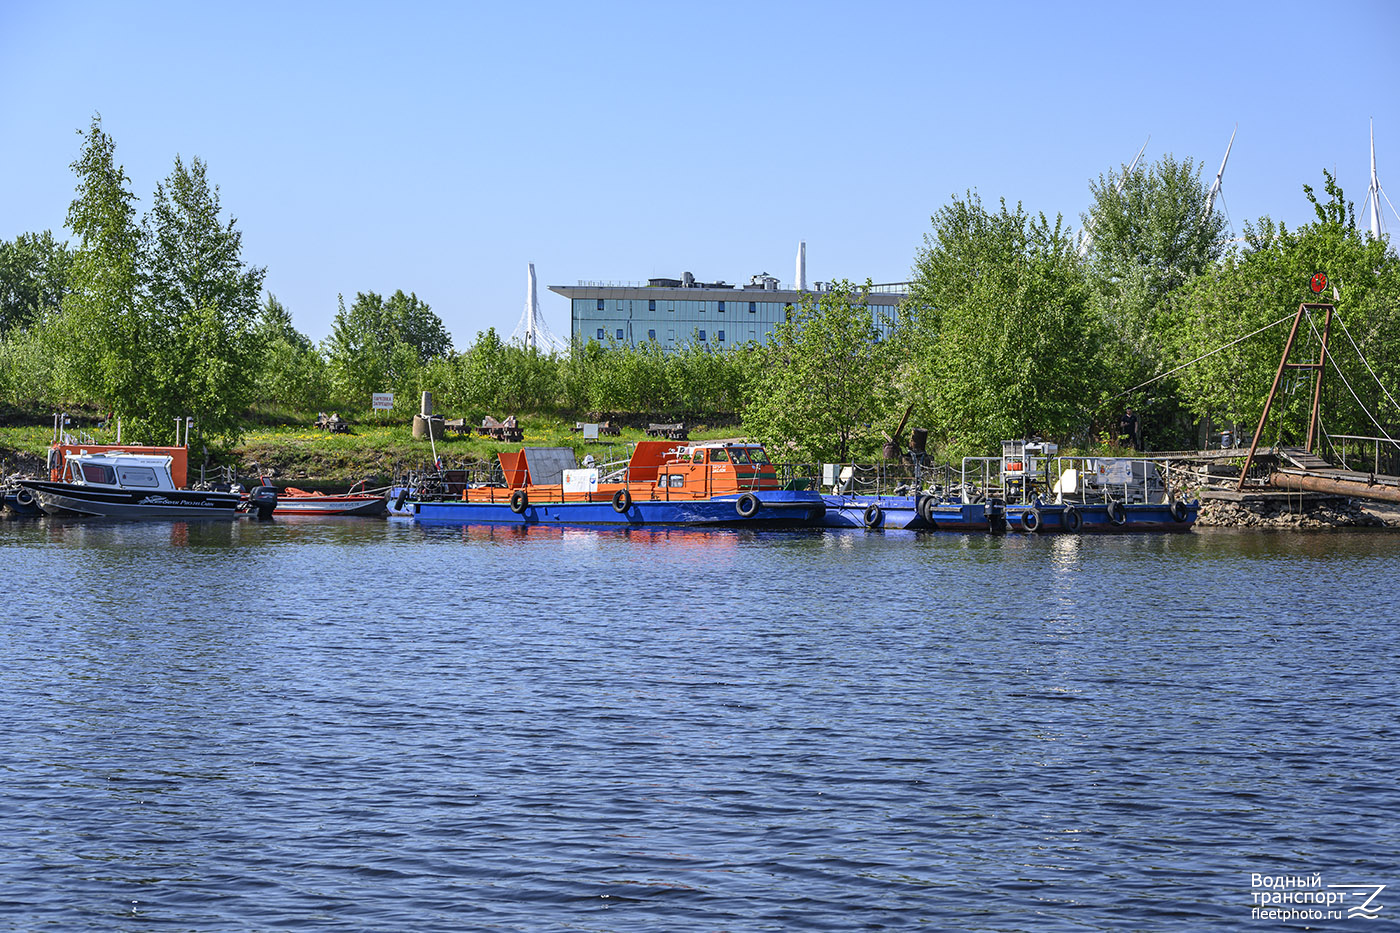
x: 651, y: 335
x: 600, y: 304
x: 600, y: 333
x: 702, y: 335
x: 619, y: 333
x: 651, y: 304
x: 719, y: 335
x: 672, y: 306
x: 721, y: 307
x: 753, y: 306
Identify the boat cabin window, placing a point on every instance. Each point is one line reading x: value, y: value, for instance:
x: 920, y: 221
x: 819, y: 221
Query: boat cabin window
x: 756, y: 455
x: 677, y: 480
x: 99, y: 473
x: 137, y: 476
x: 739, y: 454
x: 698, y: 457
x: 719, y: 455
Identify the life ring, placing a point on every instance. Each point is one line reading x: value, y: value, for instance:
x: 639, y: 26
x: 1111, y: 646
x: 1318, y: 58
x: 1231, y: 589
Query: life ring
x: 926, y: 511
x: 747, y: 505
x: 398, y: 503
x: 874, y: 517
x: 24, y: 498
x: 1072, y: 520
x: 519, y: 501
x: 622, y: 501
x: 1116, y: 513
x: 1030, y: 519
x: 1179, y: 511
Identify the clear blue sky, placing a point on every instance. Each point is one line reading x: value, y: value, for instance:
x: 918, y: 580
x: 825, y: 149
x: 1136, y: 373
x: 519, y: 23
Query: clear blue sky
x: 439, y: 147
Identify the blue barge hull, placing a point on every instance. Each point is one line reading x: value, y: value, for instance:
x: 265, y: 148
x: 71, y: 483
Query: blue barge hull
x: 1116, y: 517
x: 912, y: 513
x: 776, y: 508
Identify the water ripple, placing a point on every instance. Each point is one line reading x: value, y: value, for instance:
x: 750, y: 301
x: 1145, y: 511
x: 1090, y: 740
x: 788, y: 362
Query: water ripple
x: 371, y: 725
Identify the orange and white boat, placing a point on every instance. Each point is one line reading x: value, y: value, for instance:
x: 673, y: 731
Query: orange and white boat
x: 663, y: 483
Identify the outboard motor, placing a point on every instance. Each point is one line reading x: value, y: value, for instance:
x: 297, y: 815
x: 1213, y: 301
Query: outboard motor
x: 261, y: 501
x: 996, y: 516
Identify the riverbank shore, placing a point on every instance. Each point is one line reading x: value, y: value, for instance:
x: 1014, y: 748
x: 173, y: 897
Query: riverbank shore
x: 1292, y: 512
x: 374, y: 455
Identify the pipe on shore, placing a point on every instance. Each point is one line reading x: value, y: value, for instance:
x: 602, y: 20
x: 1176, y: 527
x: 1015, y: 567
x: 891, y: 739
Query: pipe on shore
x: 1340, y: 487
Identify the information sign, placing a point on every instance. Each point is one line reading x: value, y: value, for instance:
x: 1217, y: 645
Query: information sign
x: 382, y: 401
x: 580, y: 480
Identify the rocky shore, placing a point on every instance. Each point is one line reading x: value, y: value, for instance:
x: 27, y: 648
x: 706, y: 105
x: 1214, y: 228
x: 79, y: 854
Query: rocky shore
x: 1293, y: 512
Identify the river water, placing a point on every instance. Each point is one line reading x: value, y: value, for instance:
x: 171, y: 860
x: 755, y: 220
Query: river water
x: 373, y: 725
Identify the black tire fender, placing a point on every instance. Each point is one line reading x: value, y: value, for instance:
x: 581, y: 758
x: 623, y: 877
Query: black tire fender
x: 25, y: 497
x: 1030, y: 520
x: 519, y: 501
x: 403, y: 497
x: 874, y: 517
x: 1179, y: 511
x: 1072, y: 520
x: 622, y: 501
x: 747, y: 505
x: 1116, y: 513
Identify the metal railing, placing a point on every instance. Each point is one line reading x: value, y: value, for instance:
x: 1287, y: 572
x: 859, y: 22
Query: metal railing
x: 1370, y: 464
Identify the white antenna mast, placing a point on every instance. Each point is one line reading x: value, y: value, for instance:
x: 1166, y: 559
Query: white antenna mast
x: 1219, y: 176
x: 1089, y: 224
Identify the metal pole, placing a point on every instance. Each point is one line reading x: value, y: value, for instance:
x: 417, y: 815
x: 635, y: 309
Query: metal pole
x: 1317, y: 381
x: 1269, y: 402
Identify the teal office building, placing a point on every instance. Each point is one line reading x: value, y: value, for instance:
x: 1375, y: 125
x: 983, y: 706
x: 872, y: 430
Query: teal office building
x: 675, y: 312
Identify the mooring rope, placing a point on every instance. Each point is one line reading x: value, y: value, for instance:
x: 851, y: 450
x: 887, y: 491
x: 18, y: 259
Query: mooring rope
x: 1202, y: 356
x: 1360, y: 404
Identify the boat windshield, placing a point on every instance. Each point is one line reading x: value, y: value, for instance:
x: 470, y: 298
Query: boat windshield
x: 99, y: 473
x: 756, y: 455
x: 719, y: 455
x: 739, y: 454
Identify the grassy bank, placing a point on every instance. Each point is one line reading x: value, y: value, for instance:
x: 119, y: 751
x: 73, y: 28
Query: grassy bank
x: 372, y: 452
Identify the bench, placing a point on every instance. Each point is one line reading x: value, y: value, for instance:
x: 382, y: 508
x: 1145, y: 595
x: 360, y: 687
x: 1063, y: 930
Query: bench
x: 673, y: 432
x: 332, y: 423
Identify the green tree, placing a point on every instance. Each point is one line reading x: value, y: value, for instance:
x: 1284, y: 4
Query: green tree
x: 292, y: 372
x: 33, y: 278
x: 998, y: 332
x: 1150, y: 236
x: 203, y: 304
x: 102, y: 338
x: 1266, y: 281
x: 382, y: 344
x: 825, y: 379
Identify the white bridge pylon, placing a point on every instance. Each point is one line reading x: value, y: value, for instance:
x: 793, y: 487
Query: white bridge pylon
x: 532, y: 332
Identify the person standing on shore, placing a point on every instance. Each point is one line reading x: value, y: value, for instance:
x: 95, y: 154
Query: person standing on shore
x: 1129, y: 430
